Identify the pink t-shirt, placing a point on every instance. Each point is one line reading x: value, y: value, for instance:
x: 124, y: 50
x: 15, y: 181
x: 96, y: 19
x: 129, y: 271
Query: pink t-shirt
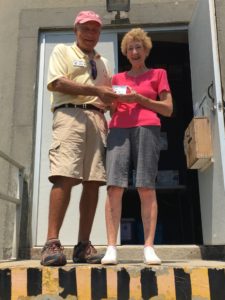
x: 149, y: 84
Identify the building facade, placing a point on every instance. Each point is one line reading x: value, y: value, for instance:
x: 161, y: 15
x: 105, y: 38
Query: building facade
x: 188, y: 41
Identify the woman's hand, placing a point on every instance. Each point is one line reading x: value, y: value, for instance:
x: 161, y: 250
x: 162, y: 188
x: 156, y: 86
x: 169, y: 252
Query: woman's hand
x: 130, y: 97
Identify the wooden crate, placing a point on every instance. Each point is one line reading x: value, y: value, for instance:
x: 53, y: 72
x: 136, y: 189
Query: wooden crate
x: 198, y: 143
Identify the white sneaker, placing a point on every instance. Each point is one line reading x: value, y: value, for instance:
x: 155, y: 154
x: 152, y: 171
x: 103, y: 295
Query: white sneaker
x: 110, y: 257
x: 150, y: 258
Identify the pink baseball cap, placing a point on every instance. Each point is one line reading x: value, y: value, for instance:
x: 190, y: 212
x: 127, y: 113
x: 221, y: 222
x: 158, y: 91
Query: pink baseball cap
x: 86, y: 16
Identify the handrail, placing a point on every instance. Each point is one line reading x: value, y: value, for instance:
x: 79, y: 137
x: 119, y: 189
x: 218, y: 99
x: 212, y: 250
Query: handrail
x: 10, y: 199
x: 21, y: 168
x: 12, y: 161
x: 17, y: 201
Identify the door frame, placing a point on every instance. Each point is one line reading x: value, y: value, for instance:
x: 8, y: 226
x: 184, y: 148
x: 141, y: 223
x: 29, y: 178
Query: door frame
x: 41, y: 86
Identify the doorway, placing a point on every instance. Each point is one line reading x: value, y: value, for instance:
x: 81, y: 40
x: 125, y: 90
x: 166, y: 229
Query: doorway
x: 179, y: 209
x: 179, y: 217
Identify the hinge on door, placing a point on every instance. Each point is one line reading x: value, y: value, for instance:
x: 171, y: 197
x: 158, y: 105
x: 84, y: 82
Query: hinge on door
x: 211, y: 97
x: 220, y: 106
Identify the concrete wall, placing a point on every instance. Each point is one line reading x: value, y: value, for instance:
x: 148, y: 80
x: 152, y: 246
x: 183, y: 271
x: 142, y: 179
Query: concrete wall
x: 220, y: 16
x: 21, y: 22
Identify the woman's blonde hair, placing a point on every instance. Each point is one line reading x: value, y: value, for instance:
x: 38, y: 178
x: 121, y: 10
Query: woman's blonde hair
x: 139, y: 35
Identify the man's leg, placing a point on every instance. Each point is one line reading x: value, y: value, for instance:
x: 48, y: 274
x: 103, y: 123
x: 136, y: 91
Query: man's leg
x: 52, y: 252
x: 59, y: 200
x: 84, y: 252
x: 88, y: 205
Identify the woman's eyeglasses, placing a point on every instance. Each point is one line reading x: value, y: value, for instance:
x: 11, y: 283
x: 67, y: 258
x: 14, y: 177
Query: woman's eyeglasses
x: 93, y: 69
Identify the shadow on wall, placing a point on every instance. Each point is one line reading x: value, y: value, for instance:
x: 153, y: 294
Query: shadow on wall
x: 25, y: 225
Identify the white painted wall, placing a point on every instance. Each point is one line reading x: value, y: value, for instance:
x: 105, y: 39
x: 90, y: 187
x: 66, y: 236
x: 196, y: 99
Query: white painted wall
x: 204, y: 72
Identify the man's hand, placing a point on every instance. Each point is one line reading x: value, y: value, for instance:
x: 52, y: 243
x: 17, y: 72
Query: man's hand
x: 67, y: 86
x: 106, y: 94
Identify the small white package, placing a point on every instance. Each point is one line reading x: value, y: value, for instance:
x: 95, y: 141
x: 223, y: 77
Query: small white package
x: 120, y: 89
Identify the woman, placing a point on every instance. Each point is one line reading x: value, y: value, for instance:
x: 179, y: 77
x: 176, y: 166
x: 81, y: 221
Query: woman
x: 134, y: 136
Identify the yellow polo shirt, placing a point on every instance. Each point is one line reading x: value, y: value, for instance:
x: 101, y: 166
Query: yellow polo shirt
x: 72, y: 63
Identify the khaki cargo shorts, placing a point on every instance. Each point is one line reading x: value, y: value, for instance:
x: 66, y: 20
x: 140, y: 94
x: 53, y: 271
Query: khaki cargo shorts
x: 78, y: 145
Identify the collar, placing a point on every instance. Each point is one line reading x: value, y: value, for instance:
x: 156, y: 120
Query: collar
x: 83, y: 55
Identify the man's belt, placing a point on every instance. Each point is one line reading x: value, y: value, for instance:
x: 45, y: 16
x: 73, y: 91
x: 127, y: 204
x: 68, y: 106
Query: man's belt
x: 82, y: 106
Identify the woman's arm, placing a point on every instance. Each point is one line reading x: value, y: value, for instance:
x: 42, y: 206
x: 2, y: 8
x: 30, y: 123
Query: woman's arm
x: 164, y: 106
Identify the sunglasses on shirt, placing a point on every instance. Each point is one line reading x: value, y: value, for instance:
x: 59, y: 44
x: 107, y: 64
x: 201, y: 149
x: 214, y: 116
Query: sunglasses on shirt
x: 93, y: 69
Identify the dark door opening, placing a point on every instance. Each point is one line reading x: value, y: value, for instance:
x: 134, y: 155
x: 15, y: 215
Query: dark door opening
x: 179, y: 218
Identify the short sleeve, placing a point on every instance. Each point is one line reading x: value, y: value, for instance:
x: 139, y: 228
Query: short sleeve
x: 163, y: 84
x: 114, y: 79
x: 58, y: 66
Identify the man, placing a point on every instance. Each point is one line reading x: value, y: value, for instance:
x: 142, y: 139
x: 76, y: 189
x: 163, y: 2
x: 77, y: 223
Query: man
x: 79, y: 80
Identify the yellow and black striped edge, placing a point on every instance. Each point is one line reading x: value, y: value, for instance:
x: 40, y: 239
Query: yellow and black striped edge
x: 85, y: 282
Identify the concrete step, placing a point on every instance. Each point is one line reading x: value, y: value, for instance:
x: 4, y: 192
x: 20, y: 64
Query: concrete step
x: 173, y: 280
x: 134, y: 253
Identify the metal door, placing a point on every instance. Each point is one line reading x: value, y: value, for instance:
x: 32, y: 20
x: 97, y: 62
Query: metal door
x: 107, y: 46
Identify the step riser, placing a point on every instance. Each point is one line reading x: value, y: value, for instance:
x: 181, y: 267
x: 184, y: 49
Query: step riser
x: 119, y: 282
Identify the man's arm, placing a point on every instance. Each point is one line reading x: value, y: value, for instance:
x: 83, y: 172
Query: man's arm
x: 67, y: 86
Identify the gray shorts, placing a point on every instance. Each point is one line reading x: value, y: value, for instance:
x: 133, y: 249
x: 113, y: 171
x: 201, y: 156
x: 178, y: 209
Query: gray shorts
x: 133, y: 149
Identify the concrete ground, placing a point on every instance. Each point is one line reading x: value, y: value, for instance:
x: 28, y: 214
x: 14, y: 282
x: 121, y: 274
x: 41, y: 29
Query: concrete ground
x: 183, y: 275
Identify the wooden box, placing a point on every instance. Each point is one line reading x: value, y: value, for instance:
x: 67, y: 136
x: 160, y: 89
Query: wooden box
x: 198, y: 143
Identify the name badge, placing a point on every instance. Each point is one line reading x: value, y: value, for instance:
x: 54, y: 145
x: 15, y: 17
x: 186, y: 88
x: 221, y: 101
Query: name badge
x: 79, y: 63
